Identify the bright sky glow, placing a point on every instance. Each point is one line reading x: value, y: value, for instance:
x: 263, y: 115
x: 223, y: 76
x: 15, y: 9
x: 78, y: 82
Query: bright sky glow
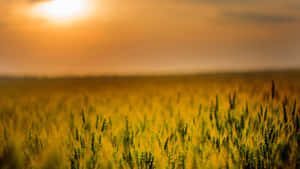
x: 62, y: 10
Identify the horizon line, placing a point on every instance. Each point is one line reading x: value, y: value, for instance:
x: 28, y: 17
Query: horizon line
x: 144, y: 74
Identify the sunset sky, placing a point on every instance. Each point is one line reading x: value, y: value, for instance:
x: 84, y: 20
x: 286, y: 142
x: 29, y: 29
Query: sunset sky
x: 147, y: 36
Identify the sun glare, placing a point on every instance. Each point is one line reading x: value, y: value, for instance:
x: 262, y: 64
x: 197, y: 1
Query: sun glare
x: 62, y: 10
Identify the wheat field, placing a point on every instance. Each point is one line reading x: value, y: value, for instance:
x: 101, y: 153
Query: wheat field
x: 213, y: 121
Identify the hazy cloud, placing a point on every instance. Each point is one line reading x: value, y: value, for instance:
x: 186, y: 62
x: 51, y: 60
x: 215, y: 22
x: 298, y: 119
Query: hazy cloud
x: 221, y: 1
x: 260, y: 17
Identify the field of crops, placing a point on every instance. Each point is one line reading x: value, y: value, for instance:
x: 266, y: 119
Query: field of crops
x: 248, y: 121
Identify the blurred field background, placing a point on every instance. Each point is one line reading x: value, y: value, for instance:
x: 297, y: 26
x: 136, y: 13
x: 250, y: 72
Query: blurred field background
x: 230, y: 120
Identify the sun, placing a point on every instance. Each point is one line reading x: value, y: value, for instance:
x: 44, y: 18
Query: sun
x: 62, y: 10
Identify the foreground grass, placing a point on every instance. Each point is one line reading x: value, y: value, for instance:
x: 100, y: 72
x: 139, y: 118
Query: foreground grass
x: 213, y: 121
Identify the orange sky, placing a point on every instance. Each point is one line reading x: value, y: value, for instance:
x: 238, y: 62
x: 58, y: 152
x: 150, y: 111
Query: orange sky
x: 144, y: 36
